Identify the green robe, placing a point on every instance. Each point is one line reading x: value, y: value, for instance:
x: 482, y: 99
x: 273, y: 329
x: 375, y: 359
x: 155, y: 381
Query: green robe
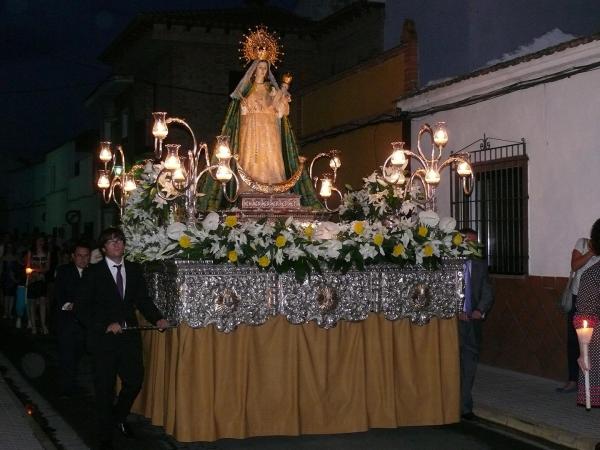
x: 214, y: 199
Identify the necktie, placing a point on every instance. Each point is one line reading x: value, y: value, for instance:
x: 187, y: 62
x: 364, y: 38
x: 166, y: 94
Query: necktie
x: 119, y: 280
x: 467, y: 304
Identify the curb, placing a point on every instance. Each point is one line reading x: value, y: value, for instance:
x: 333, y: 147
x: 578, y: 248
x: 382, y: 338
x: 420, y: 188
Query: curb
x: 63, y: 434
x: 29, y: 421
x: 553, y: 434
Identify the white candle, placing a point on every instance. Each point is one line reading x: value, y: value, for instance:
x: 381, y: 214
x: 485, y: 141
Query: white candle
x: 584, y: 335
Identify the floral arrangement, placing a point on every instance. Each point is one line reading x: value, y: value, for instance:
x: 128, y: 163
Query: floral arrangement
x: 385, y: 231
x: 378, y: 200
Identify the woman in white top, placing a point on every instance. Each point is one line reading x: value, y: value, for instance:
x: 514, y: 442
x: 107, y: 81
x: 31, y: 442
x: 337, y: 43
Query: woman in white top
x: 582, y: 258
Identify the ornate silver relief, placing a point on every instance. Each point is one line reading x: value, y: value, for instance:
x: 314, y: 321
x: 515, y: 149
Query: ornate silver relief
x: 201, y: 294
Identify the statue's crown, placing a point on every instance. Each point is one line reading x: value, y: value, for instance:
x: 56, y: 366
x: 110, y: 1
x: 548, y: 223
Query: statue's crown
x: 259, y: 44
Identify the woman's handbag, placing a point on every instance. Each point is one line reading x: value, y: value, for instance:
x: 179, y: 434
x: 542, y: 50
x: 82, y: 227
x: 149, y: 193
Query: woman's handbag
x: 566, y: 298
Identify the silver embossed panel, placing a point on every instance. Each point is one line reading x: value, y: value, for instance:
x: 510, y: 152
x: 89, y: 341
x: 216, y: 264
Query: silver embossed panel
x: 202, y: 294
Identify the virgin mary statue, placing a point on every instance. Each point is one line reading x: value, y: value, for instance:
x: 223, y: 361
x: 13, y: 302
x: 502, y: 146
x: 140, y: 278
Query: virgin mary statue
x: 259, y: 129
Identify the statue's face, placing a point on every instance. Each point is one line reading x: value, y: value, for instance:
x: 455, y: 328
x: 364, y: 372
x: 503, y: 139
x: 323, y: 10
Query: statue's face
x: 261, y: 71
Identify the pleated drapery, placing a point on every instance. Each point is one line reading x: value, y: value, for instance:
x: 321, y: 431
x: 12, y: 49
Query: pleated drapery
x: 284, y: 379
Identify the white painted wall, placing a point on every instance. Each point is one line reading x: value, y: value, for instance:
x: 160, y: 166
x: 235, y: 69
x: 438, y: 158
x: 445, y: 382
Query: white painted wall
x: 560, y: 122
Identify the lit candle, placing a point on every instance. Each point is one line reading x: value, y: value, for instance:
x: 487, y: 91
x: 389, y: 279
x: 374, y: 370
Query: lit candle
x: 129, y: 183
x: 335, y: 162
x: 440, y: 134
x: 223, y: 152
x: 398, y: 156
x: 178, y: 174
x: 463, y: 169
x: 325, y: 187
x: 223, y: 173
x: 172, y: 159
x: 105, y: 153
x: 432, y: 177
x: 584, y: 335
x: 103, y: 180
x: 159, y: 129
x: 28, y: 271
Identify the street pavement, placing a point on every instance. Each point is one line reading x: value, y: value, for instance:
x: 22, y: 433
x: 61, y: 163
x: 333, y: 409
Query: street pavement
x: 515, y: 411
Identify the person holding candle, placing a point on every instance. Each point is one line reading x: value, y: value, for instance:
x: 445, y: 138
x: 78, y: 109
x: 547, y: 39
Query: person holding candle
x: 582, y: 258
x: 588, y: 309
x: 478, y: 301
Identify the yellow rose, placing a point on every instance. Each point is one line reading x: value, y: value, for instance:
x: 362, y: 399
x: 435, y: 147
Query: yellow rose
x: 422, y: 231
x: 457, y: 239
x: 398, y: 250
x: 280, y: 241
x: 428, y: 250
x: 358, y: 227
x: 185, y: 241
x: 308, y: 231
x: 264, y: 261
x: 232, y: 256
x: 378, y: 239
x: 231, y: 221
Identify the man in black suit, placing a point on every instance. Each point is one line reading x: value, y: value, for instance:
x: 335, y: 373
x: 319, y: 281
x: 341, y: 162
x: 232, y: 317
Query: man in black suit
x: 69, y: 332
x: 478, y: 301
x: 112, y: 290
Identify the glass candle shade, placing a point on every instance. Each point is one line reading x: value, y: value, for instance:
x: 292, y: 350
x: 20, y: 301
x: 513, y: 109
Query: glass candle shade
x: 440, y: 134
x: 223, y: 151
x: 463, y: 169
x: 172, y: 159
x: 160, y: 129
x: 105, y: 154
x: 129, y: 183
x: 432, y: 176
x: 395, y: 175
x: 326, y: 186
x: 398, y: 156
x: 224, y: 173
x: 103, y: 179
x: 335, y: 162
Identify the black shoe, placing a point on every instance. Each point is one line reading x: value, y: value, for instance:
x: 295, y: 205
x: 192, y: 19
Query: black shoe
x: 125, y: 429
x: 468, y: 416
x: 105, y: 445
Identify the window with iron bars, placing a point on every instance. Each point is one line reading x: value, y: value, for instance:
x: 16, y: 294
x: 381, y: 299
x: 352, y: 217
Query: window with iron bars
x: 497, y: 206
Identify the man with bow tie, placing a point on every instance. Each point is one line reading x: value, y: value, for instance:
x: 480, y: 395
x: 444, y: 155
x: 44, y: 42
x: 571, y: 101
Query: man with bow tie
x: 112, y: 290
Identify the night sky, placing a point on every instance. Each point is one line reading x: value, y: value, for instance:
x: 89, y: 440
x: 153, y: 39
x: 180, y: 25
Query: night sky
x: 49, y: 65
x: 48, y: 60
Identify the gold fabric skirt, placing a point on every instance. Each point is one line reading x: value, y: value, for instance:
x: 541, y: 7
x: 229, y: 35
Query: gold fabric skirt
x: 284, y: 379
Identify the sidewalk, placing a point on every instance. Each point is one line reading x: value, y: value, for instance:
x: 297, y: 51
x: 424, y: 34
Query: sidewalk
x: 16, y: 428
x: 530, y: 404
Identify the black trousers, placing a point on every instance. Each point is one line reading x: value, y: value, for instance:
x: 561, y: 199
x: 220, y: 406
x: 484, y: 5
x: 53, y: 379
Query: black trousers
x: 469, y: 333
x: 71, y: 346
x: 122, y: 358
x: 572, y: 345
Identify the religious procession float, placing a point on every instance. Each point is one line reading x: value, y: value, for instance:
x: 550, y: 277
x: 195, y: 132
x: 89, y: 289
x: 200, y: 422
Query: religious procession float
x: 294, y: 317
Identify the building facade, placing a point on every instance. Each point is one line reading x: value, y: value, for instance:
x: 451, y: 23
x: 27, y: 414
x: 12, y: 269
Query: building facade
x: 534, y: 196
x: 55, y: 195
